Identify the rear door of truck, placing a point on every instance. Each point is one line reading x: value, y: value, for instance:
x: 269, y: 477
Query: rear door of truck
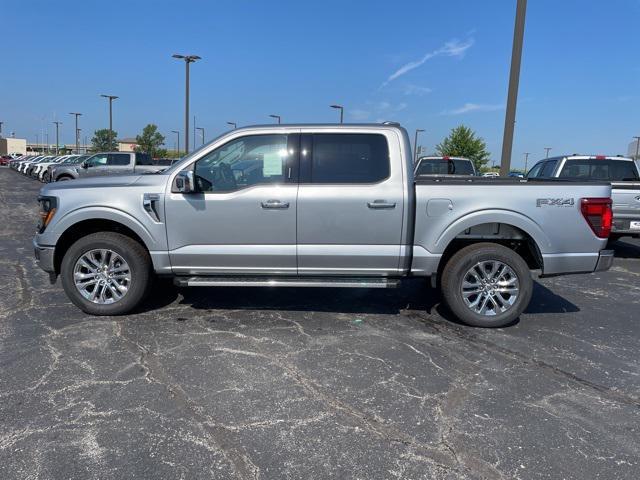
x: 350, y: 202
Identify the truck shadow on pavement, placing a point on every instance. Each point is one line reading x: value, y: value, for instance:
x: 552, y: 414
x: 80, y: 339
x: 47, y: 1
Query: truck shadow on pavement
x: 412, y: 295
x: 625, y: 248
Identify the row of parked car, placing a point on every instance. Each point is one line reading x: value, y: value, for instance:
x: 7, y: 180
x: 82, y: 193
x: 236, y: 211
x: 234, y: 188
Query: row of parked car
x: 54, y: 168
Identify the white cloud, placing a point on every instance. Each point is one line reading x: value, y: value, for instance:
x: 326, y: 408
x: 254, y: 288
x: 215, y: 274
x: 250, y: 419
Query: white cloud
x: 376, y: 109
x: 359, y: 115
x: 416, y: 90
x: 473, y: 107
x: 453, y: 48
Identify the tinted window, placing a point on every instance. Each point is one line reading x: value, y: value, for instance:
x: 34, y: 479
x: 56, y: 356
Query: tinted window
x: 143, y: 159
x: 349, y: 158
x: 594, y: 169
x: 535, y: 170
x: 243, y: 162
x: 119, y: 159
x: 442, y: 166
x: 548, y: 168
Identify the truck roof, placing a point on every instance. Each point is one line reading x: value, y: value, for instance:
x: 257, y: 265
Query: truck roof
x: 275, y: 126
x: 594, y: 157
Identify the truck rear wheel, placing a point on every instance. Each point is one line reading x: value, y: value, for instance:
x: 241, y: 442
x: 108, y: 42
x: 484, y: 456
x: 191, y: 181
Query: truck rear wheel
x: 486, y: 285
x: 106, y: 273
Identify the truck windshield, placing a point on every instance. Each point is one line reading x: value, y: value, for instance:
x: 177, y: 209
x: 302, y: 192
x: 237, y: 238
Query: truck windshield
x: 594, y: 169
x: 444, y: 166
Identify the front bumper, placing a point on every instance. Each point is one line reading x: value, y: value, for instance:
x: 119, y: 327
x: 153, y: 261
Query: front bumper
x: 44, y: 257
x: 605, y: 260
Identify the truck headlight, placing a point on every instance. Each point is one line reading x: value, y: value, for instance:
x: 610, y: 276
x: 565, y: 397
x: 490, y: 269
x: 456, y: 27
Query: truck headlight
x: 48, y: 207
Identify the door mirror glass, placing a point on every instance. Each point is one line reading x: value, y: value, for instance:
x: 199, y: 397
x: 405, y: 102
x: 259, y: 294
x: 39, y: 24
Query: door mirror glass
x: 84, y: 164
x: 183, y: 182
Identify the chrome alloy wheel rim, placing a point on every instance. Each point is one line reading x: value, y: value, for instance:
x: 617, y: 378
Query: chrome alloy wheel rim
x: 490, y: 288
x: 102, y: 276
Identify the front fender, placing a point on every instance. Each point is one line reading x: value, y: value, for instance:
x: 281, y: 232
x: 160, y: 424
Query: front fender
x: 515, y: 219
x: 54, y: 231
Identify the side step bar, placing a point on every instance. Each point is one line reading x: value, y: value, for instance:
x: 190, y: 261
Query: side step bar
x: 333, y: 282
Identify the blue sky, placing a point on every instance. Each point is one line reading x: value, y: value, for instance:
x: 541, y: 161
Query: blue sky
x: 428, y: 64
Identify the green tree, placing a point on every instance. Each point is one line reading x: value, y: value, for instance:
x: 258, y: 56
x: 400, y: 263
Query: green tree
x: 150, y: 141
x: 104, y: 141
x: 462, y: 142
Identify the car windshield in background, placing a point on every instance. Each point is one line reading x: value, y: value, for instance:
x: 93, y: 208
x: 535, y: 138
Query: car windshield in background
x: 441, y: 166
x: 594, y: 169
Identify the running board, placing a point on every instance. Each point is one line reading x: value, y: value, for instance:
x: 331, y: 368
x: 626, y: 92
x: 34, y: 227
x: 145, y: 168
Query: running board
x: 333, y: 282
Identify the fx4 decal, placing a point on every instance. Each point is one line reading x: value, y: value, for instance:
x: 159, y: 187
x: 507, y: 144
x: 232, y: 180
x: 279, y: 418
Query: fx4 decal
x: 555, y: 202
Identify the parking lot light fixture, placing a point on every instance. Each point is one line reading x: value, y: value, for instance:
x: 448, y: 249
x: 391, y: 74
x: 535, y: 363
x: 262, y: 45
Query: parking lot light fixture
x: 77, y: 130
x: 177, y: 132
x: 188, y: 59
x: 526, y: 160
x: 637, y: 147
x: 341, y: 108
x: 111, y: 99
x: 1, y: 129
x: 234, y: 124
x: 415, y: 144
x: 277, y: 117
x: 546, y: 149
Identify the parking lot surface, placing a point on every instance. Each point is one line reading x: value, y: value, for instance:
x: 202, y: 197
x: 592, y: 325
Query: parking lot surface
x: 304, y: 383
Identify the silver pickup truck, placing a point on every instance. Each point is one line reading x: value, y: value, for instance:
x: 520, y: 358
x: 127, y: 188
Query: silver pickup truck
x: 318, y: 206
x: 622, y: 172
x: 106, y: 163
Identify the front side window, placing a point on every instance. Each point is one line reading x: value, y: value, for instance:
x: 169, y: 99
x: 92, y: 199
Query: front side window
x: 244, y: 162
x: 349, y: 158
x: 97, y: 160
x: 119, y: 159
x: 549, y: 167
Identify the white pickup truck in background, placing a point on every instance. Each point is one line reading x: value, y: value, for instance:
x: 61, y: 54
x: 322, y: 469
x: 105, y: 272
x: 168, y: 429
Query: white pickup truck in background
x: 622, y: 172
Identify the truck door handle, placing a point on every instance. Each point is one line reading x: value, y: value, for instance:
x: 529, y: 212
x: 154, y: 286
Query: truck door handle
x: 275, y: 204
x: 381, y: 204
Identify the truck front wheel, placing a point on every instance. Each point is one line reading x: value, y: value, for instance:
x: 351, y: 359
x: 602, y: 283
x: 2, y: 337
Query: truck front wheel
x: 106, y: 273
x: 486, y: 285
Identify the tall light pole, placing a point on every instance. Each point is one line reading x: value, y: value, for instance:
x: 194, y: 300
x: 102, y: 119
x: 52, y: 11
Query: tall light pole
x: 111, y: 99
x: 57, y: 126
x: 341, y: 110
x: 188, y: 59
x: 77, y: 129
x: 514, y: 80
x: 202, y: 133
x: 234, y: 124
x: 277, y: 117
x: 637, y: 146
x: 415, y: 145
x: 526, y: 160
x: 177, y: 132
x: 1, y: 129
x: 546, y: 149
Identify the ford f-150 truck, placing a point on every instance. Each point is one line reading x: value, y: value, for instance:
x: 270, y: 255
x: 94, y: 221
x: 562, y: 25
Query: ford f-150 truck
x: 318, y: 206
x: 622, y: 172
x: 106, y: 163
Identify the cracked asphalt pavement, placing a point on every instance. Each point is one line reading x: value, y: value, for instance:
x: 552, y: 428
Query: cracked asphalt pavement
x: 303, y: 383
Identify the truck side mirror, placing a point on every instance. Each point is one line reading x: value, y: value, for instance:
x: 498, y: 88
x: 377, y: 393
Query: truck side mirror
x: 183, y: 182
x: 84, y: 164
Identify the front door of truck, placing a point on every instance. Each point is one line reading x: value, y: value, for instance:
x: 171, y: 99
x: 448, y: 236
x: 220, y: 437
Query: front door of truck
x: 350, y: 204
x: 242, y: 219
x: 95, y: 166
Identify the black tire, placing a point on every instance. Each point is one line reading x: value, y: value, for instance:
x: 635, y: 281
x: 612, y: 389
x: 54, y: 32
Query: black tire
x: 45, y: 177
x: 133, y: 253
x: 453, y: 276
x: 63, y: 178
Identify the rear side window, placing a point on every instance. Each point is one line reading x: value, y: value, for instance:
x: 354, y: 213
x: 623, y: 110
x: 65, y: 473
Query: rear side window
x: 349, y: 158
x: 442, y: 166
x: 143, y: 159
x: 119, y: 159
x: 594, y: 169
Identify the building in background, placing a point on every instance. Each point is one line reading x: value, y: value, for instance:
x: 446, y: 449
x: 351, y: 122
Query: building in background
x: 633, y: 148
x: 13, y: 145
x: 127, y: 144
